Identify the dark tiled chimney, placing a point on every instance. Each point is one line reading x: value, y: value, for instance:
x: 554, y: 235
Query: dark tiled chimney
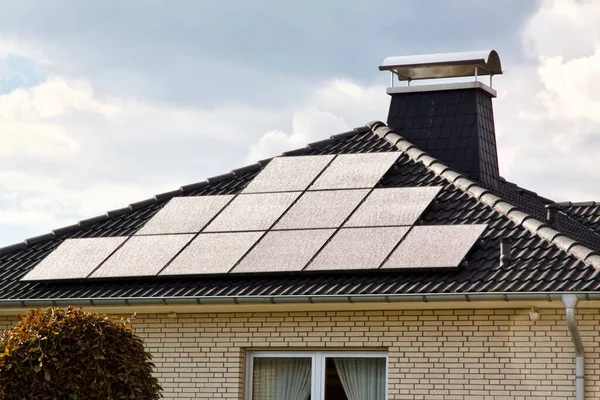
x: 453, y: 122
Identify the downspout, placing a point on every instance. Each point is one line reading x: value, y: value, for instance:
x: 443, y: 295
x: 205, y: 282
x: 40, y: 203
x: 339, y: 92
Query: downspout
x: 571, y: 301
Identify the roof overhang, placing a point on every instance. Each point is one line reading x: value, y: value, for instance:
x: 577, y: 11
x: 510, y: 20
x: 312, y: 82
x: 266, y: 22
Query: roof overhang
x: 309, y: 303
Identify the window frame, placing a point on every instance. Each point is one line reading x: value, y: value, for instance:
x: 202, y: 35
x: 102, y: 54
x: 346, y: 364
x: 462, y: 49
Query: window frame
x: 318, y: 358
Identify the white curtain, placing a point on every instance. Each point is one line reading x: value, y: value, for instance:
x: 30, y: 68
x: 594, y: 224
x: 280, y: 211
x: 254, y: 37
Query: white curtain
x: 281, y: 378
x: 362, y: 378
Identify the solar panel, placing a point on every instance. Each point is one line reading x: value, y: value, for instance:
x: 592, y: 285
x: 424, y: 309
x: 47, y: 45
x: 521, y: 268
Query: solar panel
x: 322, y: 209
x: 185, y: 215
x: 248, y: 212
x: 252, y: 212
x: 287, y: 174
x: 394, y: 206
x: 355, y: 171
x: 74, y: 258
x: 142, y: 256
x: 284, y: 251
x: 434, y: 246
x: 358, y: 248
x: 212, y: 253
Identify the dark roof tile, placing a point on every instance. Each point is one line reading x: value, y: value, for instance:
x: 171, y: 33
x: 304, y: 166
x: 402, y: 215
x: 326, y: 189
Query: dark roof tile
x: 586, y: 213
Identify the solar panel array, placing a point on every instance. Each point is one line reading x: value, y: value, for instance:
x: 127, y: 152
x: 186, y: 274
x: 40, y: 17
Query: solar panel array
x: 313, y: 213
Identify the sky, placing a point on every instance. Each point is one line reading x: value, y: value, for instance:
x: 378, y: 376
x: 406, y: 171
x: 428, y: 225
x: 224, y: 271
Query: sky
x: 105, y: 103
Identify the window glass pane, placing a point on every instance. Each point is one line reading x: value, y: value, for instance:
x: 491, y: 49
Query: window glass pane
x: 281, y: 378
x: 334, y: 390
x: 361, y: 378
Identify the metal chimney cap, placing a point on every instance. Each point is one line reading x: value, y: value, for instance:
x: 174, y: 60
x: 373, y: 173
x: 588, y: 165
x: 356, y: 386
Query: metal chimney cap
x: 443, y: 65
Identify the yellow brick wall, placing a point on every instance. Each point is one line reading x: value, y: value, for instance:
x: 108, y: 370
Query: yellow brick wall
x: 433, y: 354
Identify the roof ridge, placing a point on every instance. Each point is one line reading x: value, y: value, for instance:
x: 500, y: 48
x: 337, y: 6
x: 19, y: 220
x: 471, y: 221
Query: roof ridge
x: 578, y: 203
x: 486, y: 197
x: 84, y: 223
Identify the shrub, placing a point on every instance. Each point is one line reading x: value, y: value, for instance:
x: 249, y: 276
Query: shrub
x: 71, y: 354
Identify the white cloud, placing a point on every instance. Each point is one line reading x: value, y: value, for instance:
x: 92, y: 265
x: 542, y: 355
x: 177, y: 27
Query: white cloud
x: 29, y: 123
x: 572, y: 88
x: 41, y: 203
x: 338, y: 106
x: 308, y: 125
x: 567, y: 28
x: 68, y: 154
x: 548, y: 110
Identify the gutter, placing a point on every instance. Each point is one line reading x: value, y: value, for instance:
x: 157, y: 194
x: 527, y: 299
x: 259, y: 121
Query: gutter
x: 571, y: 301
x: 316, y: 299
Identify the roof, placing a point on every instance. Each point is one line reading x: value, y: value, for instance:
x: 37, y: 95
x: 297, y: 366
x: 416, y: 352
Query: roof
x: 586, y: 213
x: 544, y: 259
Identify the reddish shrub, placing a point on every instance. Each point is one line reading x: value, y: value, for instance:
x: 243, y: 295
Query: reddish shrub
x: 71, y: 354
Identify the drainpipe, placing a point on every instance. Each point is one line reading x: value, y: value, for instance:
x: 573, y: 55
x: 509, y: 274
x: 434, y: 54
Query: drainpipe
x: 571, y: 301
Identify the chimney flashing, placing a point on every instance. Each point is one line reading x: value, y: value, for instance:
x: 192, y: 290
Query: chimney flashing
x: 442, y: 86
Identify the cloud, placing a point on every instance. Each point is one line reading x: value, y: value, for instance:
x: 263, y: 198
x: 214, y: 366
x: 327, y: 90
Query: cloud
x: 68, y: 153
x: 33, y: 204
x: 338, y: 106
x: 260, y: 52
x: 548, y: 108
x: 572, y: 88
x: 30, y: 121
x: 119, y: 114
x: 566, y: 28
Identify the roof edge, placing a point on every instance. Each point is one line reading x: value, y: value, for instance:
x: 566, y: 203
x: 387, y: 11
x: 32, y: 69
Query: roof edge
x: 434, y: 298
x: 578, y: 203
x: 484, y: 196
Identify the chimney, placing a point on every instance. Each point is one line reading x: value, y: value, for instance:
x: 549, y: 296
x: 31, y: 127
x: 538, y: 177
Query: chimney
x: 452, y: 121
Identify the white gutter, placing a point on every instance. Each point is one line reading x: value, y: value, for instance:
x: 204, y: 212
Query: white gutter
x: 316, y: 299
x: 571, y: 301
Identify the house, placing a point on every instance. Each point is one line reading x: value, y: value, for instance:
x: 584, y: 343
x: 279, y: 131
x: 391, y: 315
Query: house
x: 388, y: 262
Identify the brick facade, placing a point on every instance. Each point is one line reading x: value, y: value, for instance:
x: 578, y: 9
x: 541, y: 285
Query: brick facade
x: 433, y: 354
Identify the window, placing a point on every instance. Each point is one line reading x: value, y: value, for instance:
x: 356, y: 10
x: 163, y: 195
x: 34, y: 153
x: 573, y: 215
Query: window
x: 316, y: 376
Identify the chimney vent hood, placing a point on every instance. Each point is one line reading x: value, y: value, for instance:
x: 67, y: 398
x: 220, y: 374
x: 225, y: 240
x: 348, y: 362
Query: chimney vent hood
x: 443, y: 65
